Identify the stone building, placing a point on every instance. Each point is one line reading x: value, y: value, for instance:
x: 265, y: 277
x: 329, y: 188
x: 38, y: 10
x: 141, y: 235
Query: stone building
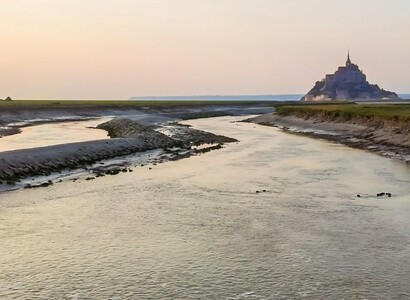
x: 347, y: 83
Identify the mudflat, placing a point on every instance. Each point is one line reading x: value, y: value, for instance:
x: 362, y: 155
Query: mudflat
x: 131, y: 131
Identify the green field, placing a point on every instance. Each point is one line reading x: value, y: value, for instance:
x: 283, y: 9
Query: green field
x: 395, y: 112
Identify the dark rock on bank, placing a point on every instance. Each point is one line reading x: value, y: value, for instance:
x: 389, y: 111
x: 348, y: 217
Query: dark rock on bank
x: 125, y: 128
x: 189, y: 136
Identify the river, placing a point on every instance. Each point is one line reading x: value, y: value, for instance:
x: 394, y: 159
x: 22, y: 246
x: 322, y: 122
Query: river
x: 54, y: 134
x: 203, y: 227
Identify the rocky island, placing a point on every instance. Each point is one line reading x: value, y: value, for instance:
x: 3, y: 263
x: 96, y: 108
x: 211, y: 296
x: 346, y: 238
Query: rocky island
x: 347, y: 83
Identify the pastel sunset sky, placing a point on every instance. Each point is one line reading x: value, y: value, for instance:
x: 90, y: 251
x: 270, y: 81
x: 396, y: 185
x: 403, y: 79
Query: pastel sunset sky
x: 115, y: 49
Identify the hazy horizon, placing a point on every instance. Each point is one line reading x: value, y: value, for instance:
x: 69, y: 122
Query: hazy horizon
x: 106, y: 49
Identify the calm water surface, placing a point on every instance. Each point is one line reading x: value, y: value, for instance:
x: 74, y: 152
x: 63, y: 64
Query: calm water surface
x: 54, y: 134
x: 197, y: 229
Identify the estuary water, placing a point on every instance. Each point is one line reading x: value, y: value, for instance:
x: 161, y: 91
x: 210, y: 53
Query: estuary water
x: 275, y: 216
x: 54, y: 134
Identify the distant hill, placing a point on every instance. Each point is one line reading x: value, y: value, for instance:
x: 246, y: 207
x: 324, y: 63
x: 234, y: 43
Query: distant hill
x: 281, y: 97
x: 405, y: 96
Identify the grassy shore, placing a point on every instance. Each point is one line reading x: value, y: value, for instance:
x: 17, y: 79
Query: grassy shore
x: 388, y: 112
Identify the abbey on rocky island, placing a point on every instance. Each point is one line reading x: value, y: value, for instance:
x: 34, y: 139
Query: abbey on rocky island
x: 347, y: 83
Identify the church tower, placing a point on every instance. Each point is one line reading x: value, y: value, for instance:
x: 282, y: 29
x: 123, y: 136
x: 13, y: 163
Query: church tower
x: 348, y: 62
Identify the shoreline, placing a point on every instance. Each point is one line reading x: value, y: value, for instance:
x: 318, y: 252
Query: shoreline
x: 388, y: 141
x: 136, y: 131
x: 151, y: 126
x: 128, y: 138
x: 17, y: 115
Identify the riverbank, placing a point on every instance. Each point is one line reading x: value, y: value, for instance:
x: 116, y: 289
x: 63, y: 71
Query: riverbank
x: 22, y: 113
x: 381, y: 129
x: 128, y: 137
x: 137, y: 127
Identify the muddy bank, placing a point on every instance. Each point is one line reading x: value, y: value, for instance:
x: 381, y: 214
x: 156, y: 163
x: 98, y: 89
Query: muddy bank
x: 128, y: 137
x: 8, y: 130
x: 126, y: 128
x: 132, y: 132
x: 15, y: 165
x: 13, y: 118
x: 174, y: 133
x: 386, y: 139
x: 193, y: 137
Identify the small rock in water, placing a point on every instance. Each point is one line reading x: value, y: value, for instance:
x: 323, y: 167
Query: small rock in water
x: 263, y: 191
x: 384, y: 194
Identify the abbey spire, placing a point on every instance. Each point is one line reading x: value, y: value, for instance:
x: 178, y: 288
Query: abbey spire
x: 348, y: 62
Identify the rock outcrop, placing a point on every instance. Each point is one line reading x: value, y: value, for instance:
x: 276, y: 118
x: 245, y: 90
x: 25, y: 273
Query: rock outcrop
x: 347, y: 83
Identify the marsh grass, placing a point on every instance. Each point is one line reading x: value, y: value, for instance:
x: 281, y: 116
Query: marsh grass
x: 394, y: 112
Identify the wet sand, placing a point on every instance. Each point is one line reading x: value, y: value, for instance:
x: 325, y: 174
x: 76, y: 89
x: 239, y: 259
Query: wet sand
x: 196, y: 228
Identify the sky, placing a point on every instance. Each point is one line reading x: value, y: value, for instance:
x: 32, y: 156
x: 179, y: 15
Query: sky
x: 116, y: 49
